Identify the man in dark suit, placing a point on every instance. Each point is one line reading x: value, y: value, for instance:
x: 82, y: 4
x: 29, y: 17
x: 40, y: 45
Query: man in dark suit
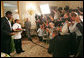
x: 6, y: 33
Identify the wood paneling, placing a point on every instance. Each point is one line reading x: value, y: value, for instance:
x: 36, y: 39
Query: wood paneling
x: 2, y: 9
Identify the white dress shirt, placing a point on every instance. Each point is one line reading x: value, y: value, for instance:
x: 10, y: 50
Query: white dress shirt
x: 9, y: 23
x: 78, y: 33
x: 40, y: 32
x: 51, y: 33
x: 64, y: 29
x: 18, y: 35
x: 73, y: 28
x: 56, y: 15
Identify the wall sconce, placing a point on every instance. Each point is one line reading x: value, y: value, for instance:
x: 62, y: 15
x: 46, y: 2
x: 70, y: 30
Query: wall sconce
x: 16, y: 10
x: 30, y: 8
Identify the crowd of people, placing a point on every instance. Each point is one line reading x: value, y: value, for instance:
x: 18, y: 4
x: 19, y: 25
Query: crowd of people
x: 64, y: 29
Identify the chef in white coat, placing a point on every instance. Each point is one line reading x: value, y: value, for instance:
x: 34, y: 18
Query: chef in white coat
x: 17, y: 37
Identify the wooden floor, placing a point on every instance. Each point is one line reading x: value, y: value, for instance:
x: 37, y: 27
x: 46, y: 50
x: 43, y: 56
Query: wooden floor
x: 36, y: 49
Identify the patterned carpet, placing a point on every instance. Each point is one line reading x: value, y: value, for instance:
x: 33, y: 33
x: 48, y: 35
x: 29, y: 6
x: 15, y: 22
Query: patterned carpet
x: 33, y: 50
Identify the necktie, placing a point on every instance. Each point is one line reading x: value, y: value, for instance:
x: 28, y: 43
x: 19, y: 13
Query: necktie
x: 68, y: 30
x: 10, y: 24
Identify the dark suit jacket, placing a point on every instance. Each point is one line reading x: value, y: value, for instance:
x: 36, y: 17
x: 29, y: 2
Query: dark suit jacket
x: 5, y: 37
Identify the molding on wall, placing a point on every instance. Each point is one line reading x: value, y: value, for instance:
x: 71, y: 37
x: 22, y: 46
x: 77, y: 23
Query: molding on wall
x: 2, y: 8
x: 18, y: 8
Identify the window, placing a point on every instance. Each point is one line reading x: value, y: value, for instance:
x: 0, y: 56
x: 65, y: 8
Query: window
x: 45, y: 9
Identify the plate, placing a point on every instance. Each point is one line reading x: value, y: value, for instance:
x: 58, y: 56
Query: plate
x: 4, y: 55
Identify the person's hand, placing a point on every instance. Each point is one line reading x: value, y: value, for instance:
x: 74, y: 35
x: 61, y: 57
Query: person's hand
x: 80, y: 12
x: 53, y: 35
x: 54, y: 11
x: 77, y: 19
x: 47, y: 29
x: 58, y: 29
x: 69, y: 23
x: 12, y: 33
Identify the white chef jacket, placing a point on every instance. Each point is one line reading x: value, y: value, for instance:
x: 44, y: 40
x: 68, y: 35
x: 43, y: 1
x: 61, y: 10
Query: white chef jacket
x: 40, y: 32
x: 18, y: 35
